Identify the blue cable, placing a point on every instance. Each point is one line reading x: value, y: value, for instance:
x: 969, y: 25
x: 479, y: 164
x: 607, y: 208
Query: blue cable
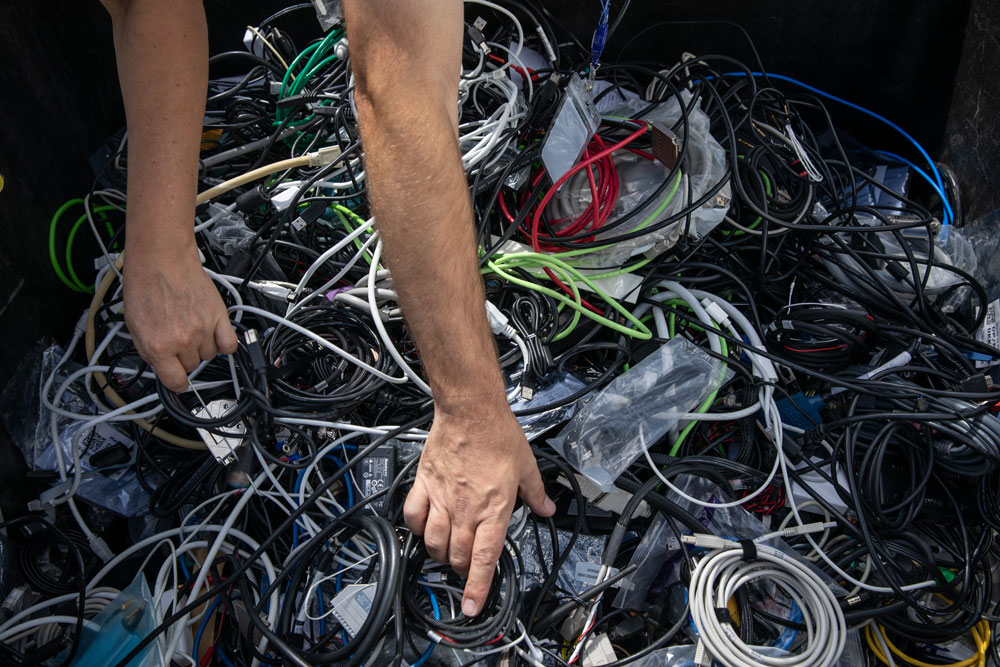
x: 437, y: 617
x: 298, y: 484
x: 920, y: 172
x: 223, y: 658
x: 949, y: 214
x: 204, y: 623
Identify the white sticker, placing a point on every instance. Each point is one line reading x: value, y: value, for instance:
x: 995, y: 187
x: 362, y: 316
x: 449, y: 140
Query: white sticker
x: 352, y: 605
x: 223, y: 448
x: 989, y: 333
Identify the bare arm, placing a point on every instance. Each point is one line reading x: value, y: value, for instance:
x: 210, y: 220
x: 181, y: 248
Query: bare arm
x: 173, y: 311
x: 406, y: 57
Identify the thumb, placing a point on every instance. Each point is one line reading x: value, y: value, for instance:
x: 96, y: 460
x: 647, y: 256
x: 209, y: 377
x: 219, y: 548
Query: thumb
x: 532, y: 491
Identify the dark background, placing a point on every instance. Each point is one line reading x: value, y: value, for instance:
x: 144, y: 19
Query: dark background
x: 932, y: 66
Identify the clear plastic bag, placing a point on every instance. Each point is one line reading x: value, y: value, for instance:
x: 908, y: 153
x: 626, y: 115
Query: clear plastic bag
x: 658, y: 550
x: 683, y: 656
x: 636, y: 409
x: 229, y: 232
x: 556, y: 390
x: 29, y: 424
x: 119, y: 627
x: 579, y: 571
x: 983, y: 237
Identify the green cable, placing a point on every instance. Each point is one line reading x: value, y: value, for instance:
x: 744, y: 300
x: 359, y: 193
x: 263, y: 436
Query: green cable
x: 315, y: 52
x: 69, y: 245
x: 703, y: 408
x: 571, y: 326
x: 52, y: 245
x: 340, y: 211
x: 530, y: 259
x: 768, y: 189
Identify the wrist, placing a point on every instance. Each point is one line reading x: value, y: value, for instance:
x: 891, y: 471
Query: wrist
x: 166, y: 249
x: 473, y: 402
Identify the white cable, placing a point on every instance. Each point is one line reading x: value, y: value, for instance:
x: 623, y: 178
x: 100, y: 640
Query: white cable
x: 347, y: 356
x: 721, y: 573
x: 321, y: 291
x: 319, y: 582
x: 390, y: 346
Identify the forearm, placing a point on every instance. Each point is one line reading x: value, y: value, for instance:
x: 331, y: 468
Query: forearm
x: 409, y: 125
x: 162, y: 50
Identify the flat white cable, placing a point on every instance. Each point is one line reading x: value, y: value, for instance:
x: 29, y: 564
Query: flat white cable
x: 260, y: 312
x: 199, y: 581
x: 322, y: 290
x: 97, y: 236
x: 390, y: 346
x: 331, y: 252
x: 412, y: 434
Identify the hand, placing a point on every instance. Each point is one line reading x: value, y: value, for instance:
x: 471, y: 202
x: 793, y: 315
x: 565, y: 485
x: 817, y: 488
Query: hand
x: 174, y: 313
x: 475, y: 462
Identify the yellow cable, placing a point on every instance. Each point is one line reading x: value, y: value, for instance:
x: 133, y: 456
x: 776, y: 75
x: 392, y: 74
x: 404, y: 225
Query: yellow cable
x: 268, y: 45
x: 980, y: 635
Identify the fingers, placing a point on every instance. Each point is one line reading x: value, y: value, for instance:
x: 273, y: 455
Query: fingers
x: 437, y: 534
x: 225, y: 337
x: 415, y: 508
x: 532, y: 491
x: 485, y: 553
x: 208, y: 350
x: 460, y: 547
x: 171, y: 373
x: 189, y: 358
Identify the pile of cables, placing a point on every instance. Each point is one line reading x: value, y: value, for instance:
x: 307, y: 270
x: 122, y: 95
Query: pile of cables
x: 793, y: 311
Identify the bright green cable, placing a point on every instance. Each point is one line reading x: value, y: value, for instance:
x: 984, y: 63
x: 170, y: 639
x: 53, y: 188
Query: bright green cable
x: 341, y: 211
x: 753, y: 225
x: 69, y: 246
x: 640, y: 331
x: 622, y: 271
x: 544, y: 290
x: 706, y: 404
x: 52, y: 244
x: 571, y: 283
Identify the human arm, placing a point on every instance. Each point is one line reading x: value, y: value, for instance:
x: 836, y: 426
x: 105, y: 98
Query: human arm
x: 406, y: 56
x: 173, y: 311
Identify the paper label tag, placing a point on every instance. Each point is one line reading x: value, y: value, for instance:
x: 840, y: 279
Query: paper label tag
x: 989, y: 333
x: 222, y: 448
x: 352, y: 605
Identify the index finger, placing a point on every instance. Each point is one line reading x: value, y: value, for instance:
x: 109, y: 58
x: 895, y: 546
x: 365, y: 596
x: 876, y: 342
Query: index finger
x: 486, y: 549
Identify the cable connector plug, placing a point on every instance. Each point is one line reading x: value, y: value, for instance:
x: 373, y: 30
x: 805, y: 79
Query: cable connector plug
x: 324, y: 156
x: 475, y: 32
x: 715, y: 311
x: 499, y: 323
x: 100, y: 548
x: 806, y: 529
x: 702, y: 658
x: 274, y: 289
x: 703, y: 541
